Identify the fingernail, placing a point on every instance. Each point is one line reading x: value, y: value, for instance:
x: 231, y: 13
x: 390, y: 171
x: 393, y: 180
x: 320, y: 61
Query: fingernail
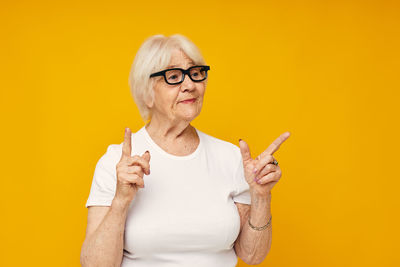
x: 255, y: 179
x: 255, y: 170
x: 147, y: 152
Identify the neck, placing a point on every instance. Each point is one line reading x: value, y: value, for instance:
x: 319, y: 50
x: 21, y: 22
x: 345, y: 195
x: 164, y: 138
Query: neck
x: 169, y: 131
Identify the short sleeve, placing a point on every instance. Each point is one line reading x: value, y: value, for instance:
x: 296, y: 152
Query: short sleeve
x: 104, y: 180
x: 242, y: 193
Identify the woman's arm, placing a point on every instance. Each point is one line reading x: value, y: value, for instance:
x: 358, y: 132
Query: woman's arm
x: 104, y: 242
x: 252, y: 246
x: 261, y: 173
x: 103, y: 245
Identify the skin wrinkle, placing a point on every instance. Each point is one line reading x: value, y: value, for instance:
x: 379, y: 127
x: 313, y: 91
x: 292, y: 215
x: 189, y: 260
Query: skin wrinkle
x: 171, y: 122
x: 252, y: 246
x: 170, y: 128
x: 170, y: 125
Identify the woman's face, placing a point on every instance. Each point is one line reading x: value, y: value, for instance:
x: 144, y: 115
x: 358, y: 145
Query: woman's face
x: 167, y: 98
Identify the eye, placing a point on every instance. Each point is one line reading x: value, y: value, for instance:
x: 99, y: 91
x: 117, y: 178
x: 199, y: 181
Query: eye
x: 173, y: 75
x: 198, y: 73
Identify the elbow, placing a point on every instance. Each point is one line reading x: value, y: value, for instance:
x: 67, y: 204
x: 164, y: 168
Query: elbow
x: 83, y: 257
x: 249, y: 258
x: 82, y: 260
x: 255, y: 262
x: 252, y: 261
x: 86, y: 262
x: 89, y: 259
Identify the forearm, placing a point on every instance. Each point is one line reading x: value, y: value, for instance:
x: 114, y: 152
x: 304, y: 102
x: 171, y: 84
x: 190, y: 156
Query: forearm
x: 105, y: 246
x: 253, y: 246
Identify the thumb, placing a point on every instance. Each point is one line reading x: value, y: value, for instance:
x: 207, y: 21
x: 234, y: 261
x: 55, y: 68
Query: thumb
x: 146, y: 155
x: 245, y: 150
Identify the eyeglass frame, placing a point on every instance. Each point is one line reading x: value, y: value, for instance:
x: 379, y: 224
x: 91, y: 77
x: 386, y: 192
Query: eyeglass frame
x: 184, y: 72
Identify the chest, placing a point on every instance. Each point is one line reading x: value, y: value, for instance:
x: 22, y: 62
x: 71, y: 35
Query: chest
x: 183, y: 207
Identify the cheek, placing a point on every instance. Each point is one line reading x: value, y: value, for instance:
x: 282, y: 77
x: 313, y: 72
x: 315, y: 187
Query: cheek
x: 165, y: 95
x: 201, y: 90
x: 165, y: 101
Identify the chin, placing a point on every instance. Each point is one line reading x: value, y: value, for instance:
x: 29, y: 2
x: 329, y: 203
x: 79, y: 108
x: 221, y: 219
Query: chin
x: 189, y: 117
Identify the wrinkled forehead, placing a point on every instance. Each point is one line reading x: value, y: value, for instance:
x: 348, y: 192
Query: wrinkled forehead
x: 180, y: 59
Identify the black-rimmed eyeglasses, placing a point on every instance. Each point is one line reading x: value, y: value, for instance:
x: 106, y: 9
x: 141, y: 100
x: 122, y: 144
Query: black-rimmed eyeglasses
x: 177, y: 75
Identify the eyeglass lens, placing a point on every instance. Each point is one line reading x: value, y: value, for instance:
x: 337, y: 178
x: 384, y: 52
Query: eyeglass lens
x: 175, y: 76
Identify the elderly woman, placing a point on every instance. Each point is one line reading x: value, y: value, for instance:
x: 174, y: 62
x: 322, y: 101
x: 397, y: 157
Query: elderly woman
x: 170, y: 194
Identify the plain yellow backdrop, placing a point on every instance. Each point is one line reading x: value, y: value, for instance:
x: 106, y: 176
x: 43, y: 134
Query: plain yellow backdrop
x: 327, y: 71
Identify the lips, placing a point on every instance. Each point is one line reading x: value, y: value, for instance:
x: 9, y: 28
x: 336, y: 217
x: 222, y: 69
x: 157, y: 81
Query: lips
x: 188, y: 100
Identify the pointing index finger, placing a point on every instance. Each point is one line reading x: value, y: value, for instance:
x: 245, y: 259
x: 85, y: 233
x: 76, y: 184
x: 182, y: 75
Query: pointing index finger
x: 126, y: 146
x: 276, y: 144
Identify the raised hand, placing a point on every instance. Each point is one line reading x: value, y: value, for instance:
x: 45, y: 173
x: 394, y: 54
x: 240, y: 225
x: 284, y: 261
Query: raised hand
x: 130, y: 171
x: 261, y: 174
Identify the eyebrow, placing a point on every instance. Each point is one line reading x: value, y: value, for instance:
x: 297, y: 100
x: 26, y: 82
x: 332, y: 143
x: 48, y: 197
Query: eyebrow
x: 174, y: 66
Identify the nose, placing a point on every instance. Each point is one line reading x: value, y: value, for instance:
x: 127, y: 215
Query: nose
x: 187, y: 83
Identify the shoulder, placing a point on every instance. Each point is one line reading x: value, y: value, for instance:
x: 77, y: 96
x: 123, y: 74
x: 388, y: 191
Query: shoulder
x: 114, y: 151
x: 221, y: 147
x: 109, y: 159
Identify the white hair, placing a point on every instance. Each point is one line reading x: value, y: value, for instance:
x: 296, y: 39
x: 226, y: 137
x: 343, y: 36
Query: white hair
x: 155, y: 55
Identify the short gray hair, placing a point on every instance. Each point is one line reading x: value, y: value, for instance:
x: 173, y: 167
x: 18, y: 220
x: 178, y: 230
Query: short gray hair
x: 154, y: 55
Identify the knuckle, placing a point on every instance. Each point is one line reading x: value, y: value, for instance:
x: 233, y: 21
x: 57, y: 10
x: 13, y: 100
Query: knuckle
x: 249, y: 167
x: 123, y: 162
x: 132, y: 178
x: 130, y: 161
x: 121, y: 176
x: 139, y: 173
x: 136, y: 158
x: 138, y: 180
x: 134, y: 169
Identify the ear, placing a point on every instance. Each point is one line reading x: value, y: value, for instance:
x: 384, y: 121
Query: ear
x: 149, y: 102
x: 149, y: 99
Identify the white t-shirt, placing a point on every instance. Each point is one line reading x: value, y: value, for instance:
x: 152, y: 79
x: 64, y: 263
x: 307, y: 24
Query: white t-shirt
x: 185, y: 215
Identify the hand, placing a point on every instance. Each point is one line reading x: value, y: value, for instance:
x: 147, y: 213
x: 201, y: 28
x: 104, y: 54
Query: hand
x: 130, y: 171
x: 261, y: 174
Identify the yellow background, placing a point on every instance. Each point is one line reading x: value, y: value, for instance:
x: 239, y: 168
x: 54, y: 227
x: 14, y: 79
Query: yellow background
x: 327, y: 71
